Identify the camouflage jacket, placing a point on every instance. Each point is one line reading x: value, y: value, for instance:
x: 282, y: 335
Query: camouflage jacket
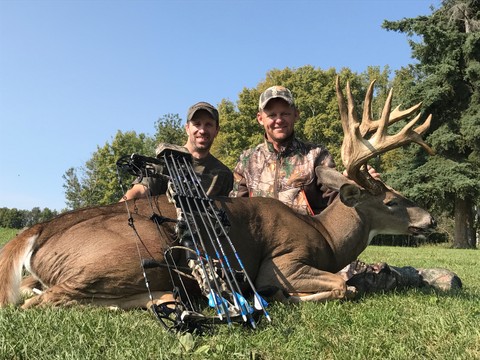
x: 288, y: 175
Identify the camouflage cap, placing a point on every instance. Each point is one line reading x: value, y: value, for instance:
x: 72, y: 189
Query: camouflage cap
x: 203, y: 106
x: 274, y: 92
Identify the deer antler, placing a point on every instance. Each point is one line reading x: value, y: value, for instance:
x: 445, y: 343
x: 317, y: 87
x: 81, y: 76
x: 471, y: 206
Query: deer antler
x: 369, y: 125
x: 357, y: 150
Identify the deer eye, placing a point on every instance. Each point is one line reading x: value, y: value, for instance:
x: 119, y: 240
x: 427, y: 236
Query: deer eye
x: 391, y: 203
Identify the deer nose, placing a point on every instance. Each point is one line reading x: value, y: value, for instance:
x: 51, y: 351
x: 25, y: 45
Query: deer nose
x: 433, y: 223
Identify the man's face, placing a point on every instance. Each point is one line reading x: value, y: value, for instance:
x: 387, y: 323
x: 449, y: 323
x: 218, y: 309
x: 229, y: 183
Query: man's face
x: 278, y: 119
x: 201, y: 130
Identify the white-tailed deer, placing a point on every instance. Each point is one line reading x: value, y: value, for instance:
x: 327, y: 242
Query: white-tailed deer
x: 92, y: 255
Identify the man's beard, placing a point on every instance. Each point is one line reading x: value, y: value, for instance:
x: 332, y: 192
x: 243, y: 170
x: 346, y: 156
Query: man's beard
x: 202, y: 147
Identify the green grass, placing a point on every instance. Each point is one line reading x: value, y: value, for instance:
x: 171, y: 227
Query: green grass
x: 7, y: 234
x: 413, y: 324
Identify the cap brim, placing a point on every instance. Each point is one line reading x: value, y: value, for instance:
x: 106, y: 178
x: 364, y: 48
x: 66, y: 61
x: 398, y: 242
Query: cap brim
x: 287, y: 100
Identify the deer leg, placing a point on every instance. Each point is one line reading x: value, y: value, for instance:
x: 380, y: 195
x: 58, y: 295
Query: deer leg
x: 137, y: 301
x: 29, y: 283
x: 318, y: 285
x: 303, y: 282
x: 58, y: 296
x: 350, y: 293
x: 50, y: 298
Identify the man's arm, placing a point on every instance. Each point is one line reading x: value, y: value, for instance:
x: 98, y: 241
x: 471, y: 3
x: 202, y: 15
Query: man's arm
x: 240, y: 188
x: 137, y: 191
x: 155, y: 184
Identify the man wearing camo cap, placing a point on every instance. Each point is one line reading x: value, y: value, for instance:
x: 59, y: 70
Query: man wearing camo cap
x: 202, y: 128
x: 282, y: 167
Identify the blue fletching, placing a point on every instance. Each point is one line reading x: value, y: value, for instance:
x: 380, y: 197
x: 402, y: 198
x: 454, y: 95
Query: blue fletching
x: 218, y: 299
x: 259, y: 303
x: 244, y: 303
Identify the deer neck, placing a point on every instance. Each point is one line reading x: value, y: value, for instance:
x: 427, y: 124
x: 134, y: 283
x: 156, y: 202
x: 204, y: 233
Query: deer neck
x: 347, y: 230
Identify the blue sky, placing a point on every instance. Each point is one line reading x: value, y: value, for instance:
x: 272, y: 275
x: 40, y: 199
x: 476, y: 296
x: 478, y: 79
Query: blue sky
x: 72, y: 73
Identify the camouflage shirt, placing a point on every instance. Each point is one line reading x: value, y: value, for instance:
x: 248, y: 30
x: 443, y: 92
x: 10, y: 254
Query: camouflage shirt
x: 288, y: 175
x: 215, y: 177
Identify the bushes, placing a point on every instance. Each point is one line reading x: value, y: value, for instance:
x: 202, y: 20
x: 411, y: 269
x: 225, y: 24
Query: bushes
x: 410, y: 240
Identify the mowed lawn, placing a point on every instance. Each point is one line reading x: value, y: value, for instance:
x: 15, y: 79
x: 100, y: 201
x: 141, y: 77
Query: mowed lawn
x: 412, y: 324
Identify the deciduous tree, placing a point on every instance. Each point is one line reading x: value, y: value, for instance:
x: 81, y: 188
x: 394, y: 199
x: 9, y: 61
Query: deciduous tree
x: 97, y: 181
x: 314, y: 92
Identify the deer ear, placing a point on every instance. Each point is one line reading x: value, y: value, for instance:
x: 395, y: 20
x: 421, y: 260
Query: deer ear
x: 329, y: 177
x: 350, y: 194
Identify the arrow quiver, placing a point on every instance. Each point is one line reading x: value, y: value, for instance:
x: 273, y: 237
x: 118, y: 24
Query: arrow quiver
x: 202, y: 229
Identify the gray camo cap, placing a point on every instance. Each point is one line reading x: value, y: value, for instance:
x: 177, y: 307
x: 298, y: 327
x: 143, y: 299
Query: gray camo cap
x: 274, y: 92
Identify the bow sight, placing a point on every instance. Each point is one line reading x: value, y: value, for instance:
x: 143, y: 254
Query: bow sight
x: 202, y: 231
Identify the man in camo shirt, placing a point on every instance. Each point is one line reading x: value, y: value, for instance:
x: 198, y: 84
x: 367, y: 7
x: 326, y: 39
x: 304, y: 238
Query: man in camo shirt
x: 282, y: 167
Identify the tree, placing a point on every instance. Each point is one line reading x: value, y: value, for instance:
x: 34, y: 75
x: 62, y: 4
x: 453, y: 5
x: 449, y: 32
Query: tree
x: 98, y: 182
x: 12, y: 218
x: 73, y: 189
x: 32, y: 217
x: 447, y: 78
x: 314, y: 92
x: 169, y: 129
x: 47, y: 214
x: 17, y: 219
x: 239, y: 129
x: 37, y: 215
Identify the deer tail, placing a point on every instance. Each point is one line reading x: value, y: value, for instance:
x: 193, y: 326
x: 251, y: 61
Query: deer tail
x: 13, y: 257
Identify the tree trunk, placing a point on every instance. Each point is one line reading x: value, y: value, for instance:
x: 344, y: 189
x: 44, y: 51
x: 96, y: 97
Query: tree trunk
x: 477, y: 225
x: 464, y: 228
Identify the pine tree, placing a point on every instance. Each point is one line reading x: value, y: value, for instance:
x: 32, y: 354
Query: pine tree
x: 447, y: 79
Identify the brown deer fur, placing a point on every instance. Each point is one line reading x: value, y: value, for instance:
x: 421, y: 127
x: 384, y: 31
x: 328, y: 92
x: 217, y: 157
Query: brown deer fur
x: 92, y: 255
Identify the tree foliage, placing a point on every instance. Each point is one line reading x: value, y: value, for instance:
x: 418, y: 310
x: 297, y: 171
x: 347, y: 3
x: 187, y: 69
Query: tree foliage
x: 18, y: 219
x: 97, y: 182
x: 314, y: 92
x: 169, y: 129
x: 447, y: 78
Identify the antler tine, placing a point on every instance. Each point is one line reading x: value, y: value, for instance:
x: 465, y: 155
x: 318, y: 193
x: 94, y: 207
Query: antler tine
x: 357, y: 150
x: 341, y: 105
x: 383, y: 122
x: 397, y: 114
x: 344, y: 116
x: 352, y: 116
x: 369, y: 125
x: 415, y: 135
x: 351, y: 137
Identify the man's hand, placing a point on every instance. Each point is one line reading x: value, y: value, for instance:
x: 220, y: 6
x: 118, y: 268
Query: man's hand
x: 137, y: 191
x: 330, y: 194
x: 373, y: 173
